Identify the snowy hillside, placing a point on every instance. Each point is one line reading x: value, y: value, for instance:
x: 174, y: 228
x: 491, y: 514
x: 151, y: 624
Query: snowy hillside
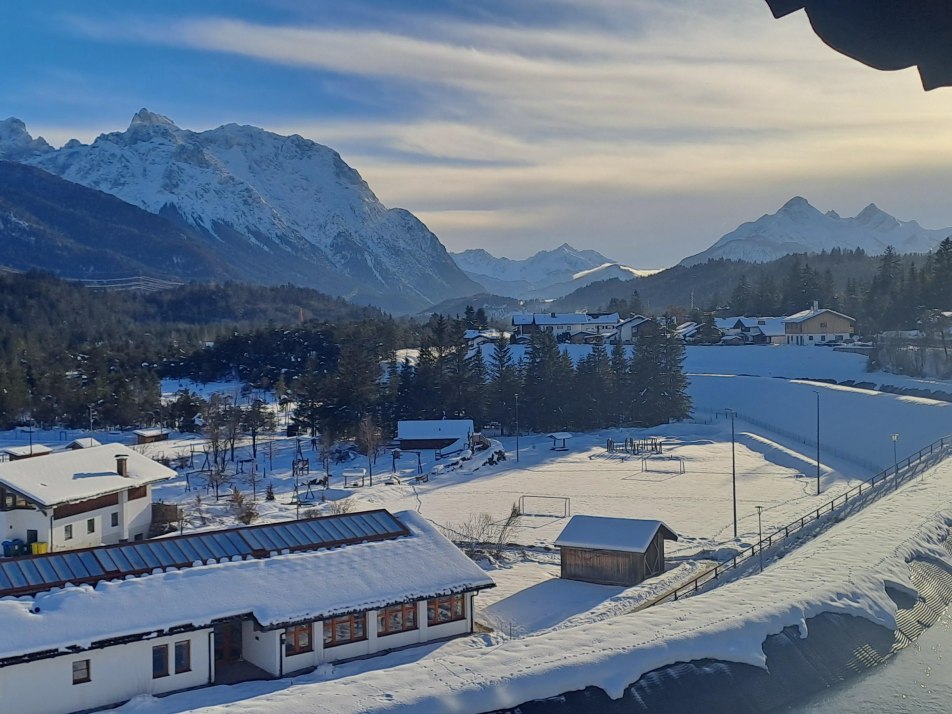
x: 798, y: 227
x: 547, y: 274
x: 280, y: 208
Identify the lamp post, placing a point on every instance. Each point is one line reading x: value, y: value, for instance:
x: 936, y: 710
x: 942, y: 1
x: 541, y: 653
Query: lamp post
x: 517, y: 427
x: 895, y: 441
x: 817, y: 442
x: 760, y: 535
x: 733, y: 469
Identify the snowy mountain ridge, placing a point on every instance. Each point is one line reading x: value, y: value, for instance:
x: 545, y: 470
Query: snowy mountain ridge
x: 547, y: 274
x: 284, y: 208
x: 798, y: 227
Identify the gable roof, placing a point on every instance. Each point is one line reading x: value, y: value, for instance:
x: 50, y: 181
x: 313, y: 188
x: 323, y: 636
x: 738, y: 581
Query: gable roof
x: 275, y: 592
x: 80, y: 474
x: 805, y: 315
x: 20, y: 452
x: 632, y: 535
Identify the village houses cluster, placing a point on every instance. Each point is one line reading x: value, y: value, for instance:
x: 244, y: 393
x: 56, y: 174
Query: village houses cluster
x: 815, y: 326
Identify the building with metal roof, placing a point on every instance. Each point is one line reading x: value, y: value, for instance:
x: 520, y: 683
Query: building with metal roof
x: 96, y: 627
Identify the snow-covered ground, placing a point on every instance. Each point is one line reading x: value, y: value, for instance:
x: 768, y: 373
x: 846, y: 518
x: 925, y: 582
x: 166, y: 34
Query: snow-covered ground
x: 550, y: 635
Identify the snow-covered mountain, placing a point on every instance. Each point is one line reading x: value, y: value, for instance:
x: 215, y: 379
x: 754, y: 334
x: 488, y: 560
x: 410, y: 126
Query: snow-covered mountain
x: 277, y: 208
x: 547, y: 274
x: 798, y: 227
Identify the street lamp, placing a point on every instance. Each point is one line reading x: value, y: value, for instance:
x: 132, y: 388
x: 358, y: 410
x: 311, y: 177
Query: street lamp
x: 895, y: 441
x: 817, y: 442
x: 517, y: 427
x: 733, y: 469
x: 760, y: 535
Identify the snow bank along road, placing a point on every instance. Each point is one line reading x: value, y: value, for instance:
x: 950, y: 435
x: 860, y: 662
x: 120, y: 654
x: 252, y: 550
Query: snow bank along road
x: 846, y: 571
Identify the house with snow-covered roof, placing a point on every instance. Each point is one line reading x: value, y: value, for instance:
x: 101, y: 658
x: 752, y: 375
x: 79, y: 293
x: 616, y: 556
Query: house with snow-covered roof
x: 613, y: 551
x: 445, y: 435
x: 818, y: 326
x: 94, y: 628
x: 560, y: 324
x: 79, y: 498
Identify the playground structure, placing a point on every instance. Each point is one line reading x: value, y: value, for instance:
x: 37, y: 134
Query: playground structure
x: 636, y: 447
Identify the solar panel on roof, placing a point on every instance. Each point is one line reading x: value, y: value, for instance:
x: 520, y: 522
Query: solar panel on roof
x: 31, y: 575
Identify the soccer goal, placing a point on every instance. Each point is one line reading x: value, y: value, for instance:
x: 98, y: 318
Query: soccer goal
x: 551, y: 506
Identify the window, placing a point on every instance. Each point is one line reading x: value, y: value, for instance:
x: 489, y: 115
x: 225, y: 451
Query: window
x: 114, y: 519
x: 81, y: 671
x: 69, y: 532
x: 446, y: 609
x: 183, y: 656
x: 399, y: 618
x: 341, y: 630
x: 90, y: 525
x: 160, y: 661
x: 297, y: 640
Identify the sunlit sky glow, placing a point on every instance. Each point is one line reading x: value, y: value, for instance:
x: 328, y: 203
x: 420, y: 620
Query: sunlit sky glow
x: 644, y: 129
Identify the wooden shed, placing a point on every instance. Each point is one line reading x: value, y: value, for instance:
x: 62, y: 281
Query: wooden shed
x: 150, y: 436
x: 613, y: 551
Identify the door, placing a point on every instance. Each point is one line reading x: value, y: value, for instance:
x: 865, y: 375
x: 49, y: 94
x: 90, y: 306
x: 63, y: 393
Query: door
x: 228, y: 641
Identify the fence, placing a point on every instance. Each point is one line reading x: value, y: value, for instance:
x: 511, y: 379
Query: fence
x: 908, y: 467
x: 793, y: 436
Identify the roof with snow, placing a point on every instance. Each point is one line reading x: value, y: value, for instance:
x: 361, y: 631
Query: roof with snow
x: 19, y: 452
x: 565, y: 318
x: 632, y: 535
x: 276, y: 591
x: 805, y: 315
x: 435, y: 429
x: 83, y: 443
x: 150, y: 433
x: 80, y: 474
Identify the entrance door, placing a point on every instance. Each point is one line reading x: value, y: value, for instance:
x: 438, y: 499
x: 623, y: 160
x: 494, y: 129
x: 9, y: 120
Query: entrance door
x: 227, y: 642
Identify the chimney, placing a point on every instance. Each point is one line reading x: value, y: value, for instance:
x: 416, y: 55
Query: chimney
x: 122, y: 465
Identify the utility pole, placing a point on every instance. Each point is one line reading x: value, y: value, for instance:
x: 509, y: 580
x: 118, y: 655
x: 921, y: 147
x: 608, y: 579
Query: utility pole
x: 895, y: 441
x: 760, y: 535
x: 734, y: 470
x: 817, y: 442
x: 517, y: 427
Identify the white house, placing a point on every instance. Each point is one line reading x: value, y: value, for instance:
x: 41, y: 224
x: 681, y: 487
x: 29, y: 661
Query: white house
x: 818, y: 326
x: 220, y: 607
x: 754, y: 330
x: 79, y: 498
x: 436, y: 434
x: 561, y: 323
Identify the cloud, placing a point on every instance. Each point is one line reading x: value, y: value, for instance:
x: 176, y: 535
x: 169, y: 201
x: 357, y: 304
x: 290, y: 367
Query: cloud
x: 538, y: 132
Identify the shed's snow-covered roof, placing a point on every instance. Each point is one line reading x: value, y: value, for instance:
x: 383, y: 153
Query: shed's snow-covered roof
x: 276, y: 591
x: 157, y: 431
x: 632, y: 535
x: 28, y: 450
x: 435, y: 429
x: 70, y: 476
x: 805, y: 315
x: 83, y: 443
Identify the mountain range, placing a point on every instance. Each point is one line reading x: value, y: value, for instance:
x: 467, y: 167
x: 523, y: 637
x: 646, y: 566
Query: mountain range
x: 798, y: 227
x: 266, y: 208
x: 547, y: 274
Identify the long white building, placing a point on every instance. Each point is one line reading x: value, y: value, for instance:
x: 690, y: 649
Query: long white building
x: 97, y: 627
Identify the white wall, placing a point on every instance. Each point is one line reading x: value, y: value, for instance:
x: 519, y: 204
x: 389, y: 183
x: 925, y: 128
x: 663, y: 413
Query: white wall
x: 117, y: 674
x: 262, y: 649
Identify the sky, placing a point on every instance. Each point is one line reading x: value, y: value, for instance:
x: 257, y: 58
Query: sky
x: 644, y: 129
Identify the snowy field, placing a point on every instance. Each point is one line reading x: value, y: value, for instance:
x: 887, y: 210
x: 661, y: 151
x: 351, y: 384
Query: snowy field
x: 533, y: 617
